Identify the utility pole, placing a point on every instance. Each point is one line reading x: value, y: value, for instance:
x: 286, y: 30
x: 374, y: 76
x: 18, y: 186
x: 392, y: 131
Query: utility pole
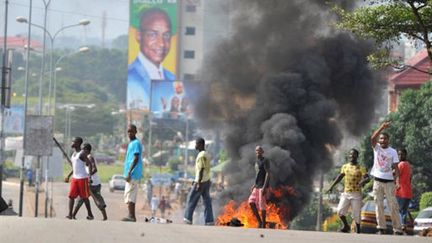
x: 27, y: 74
x: 5, y: 72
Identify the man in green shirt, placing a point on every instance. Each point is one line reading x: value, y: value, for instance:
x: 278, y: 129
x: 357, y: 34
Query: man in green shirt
x: 200, y: 186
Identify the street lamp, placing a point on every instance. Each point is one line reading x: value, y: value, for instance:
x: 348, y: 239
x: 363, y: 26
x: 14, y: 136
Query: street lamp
x: 21, y: 19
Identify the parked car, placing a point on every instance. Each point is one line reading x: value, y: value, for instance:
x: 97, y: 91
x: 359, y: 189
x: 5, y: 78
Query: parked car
x: 423, y: 220
x: 368, y: 222
x: 117, y: 182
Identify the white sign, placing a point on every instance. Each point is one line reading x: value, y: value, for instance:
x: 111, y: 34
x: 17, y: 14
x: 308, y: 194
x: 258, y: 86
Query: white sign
x: 38, y: 135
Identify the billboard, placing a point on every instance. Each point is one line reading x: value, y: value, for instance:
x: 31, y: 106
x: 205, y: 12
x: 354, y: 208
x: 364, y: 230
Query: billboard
x: 38, y: 135
x: 14, y: 120
x: 153, y: 47
x: 173, y: 100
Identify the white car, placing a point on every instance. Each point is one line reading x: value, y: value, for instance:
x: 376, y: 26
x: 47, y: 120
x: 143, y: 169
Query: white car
x: 423, y: 220
x: 117, y: 182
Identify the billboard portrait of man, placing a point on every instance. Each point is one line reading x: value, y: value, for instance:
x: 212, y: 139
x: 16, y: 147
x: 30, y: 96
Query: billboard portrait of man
x: 154, y: 34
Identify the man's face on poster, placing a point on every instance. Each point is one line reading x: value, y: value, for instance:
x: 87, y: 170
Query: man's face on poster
x: 155, y: 38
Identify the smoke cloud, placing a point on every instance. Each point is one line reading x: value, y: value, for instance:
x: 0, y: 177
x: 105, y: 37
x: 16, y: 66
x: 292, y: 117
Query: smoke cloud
x: 287, y: 81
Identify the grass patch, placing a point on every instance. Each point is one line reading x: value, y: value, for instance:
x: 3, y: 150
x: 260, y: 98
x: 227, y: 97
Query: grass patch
x: 105, y: 172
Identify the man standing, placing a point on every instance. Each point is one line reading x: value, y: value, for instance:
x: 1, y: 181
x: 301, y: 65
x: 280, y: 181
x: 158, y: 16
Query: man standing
x: 200, y: 186
x: 132, y: 172
x: 355, y: 178
x: 385, y: 161
x: 80, y: 182
x: 95, y: 185
x: 154, y: 38
x: 404, y: 192
x: 257, y: 198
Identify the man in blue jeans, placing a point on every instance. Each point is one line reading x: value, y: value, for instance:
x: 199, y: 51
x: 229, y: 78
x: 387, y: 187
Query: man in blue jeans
x: 200, y: 186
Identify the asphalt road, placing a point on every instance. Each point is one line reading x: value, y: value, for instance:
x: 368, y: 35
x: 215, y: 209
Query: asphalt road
x: 15, y: 229
x: 59, y: 229
x: 116, y: 208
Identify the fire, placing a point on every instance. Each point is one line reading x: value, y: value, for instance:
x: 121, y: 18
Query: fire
x: 277, y: 213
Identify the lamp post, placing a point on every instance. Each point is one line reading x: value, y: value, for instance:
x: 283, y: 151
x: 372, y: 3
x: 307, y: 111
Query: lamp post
x: 27, y: 72
x: 52, y: 38
x: 3, y: 97
x: 21, y: 19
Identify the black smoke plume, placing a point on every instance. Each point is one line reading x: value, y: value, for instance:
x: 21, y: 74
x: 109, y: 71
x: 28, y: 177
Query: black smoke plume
x: 288, y: 81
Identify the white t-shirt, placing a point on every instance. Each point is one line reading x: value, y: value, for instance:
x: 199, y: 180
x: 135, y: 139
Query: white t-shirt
x: 383, y: 160
x: 78, y: 166
x: 95, y: 178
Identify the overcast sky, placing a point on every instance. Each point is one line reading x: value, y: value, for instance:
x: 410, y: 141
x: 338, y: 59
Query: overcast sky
x: 67, y: 12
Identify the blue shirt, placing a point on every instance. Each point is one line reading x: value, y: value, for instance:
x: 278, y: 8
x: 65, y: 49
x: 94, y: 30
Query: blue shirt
x: 134, y: 147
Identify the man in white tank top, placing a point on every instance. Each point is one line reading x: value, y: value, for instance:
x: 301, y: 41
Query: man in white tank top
x: 95, y: 185
x: 80, y: 179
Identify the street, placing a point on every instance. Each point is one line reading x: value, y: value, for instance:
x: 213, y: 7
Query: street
x: 116, y: 208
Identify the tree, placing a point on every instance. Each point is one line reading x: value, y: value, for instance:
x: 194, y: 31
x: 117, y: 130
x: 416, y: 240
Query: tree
x: 411, y: 128
x: 386, y: 21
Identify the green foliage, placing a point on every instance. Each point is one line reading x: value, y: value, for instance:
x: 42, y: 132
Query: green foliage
x: 307, y: 219
x: 426, y: 200
x: 386, y: 21
x: 97, y: 77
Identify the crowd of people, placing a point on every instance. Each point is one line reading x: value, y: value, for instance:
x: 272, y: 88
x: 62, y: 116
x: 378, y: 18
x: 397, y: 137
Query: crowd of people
x: 391, y: 174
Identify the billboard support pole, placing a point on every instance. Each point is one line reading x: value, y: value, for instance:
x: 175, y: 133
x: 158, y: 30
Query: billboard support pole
x: 150, y: 121
x: 186, y: 153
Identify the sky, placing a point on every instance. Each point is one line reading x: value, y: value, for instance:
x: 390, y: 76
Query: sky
x: 68, y: 12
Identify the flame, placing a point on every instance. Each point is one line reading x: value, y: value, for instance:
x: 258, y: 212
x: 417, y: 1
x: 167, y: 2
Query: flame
x: 277, y: 213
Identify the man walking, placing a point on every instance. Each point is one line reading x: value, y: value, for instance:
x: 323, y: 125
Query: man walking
x: 404, y: 192
x: 132, y: 172
x: 200, y: 186
x: 95, y: 185
x: 257, y: 198
x: 80, y: 182
x: 385, y: 162
x: 355, y: 178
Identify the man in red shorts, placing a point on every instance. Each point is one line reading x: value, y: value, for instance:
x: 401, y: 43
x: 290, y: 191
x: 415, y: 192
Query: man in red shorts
x: 80, y: 179
x: 257, y: 199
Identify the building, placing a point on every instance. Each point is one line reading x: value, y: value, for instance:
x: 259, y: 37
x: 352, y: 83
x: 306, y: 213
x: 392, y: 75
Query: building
x: 412, y: 76
x: 18, y: 43
x: 203, y: 23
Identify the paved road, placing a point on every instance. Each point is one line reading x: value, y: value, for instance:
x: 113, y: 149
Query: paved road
x: 116, y: 209
x: 15, y: 229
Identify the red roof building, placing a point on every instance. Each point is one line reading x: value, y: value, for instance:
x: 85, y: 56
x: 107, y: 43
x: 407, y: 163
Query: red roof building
x: 18, y: 43
x: 408, y: 78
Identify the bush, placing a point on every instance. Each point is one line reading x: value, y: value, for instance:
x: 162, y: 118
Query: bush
x: 426, y: 200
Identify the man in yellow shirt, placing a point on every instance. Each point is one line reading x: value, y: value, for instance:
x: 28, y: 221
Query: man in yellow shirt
x: 200, y: 186
x: 355, y: 177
